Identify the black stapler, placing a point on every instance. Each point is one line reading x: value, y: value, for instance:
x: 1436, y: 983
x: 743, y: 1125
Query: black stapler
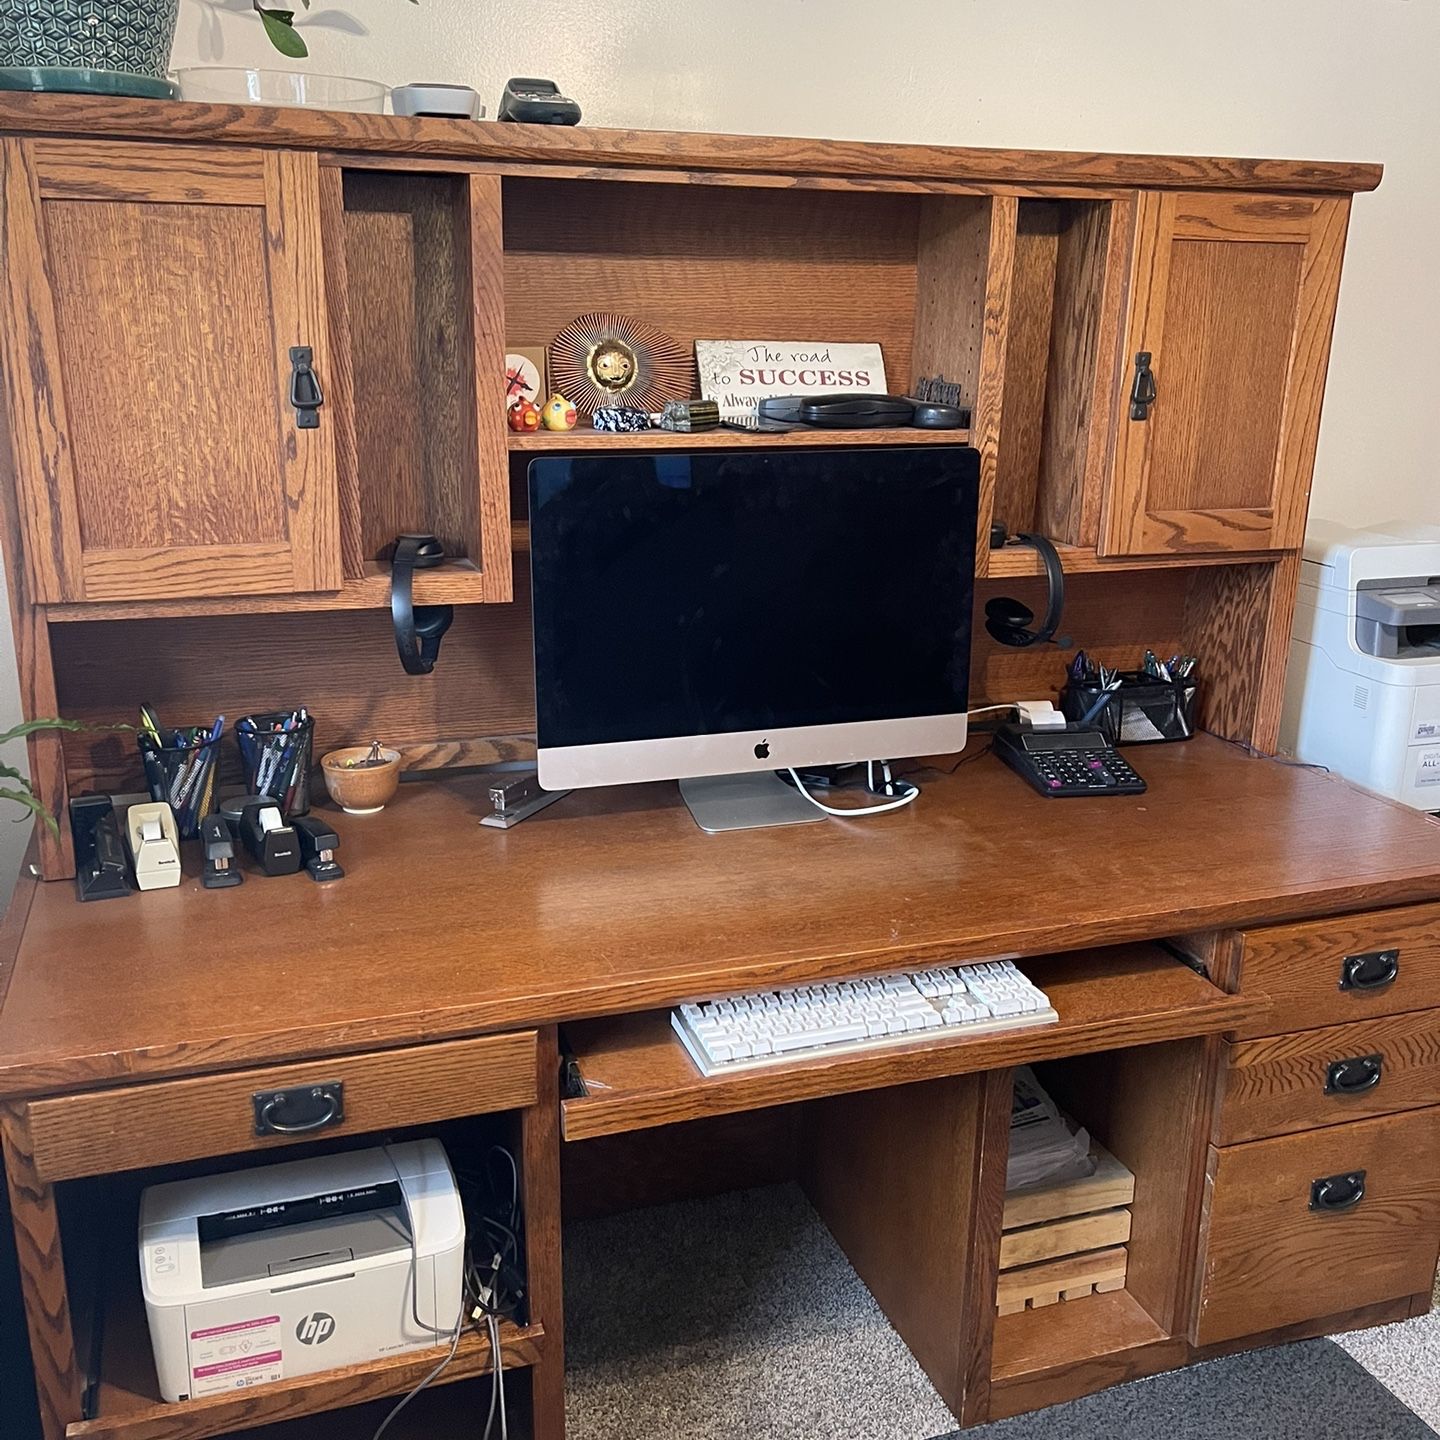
x: 221, y: 871
x: 318, y: 844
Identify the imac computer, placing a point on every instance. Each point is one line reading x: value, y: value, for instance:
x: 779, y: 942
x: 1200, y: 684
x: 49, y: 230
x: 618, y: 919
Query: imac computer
x: 718, y: 616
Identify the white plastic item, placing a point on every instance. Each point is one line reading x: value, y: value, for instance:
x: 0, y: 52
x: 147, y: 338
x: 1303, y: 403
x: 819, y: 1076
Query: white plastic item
x: 456, y: 102
x: 1362, y: 694
x: 283, y: 1270
x: 238, y: 85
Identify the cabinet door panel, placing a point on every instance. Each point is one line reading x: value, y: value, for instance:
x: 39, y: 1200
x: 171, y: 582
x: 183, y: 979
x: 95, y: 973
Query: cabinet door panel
x: 159, y: 300
x: 1233, y: 299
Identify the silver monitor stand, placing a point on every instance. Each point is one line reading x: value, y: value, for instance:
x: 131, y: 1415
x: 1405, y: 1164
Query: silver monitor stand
x: 745, y: 802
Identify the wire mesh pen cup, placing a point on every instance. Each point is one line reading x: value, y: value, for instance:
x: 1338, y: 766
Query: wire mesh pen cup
x: 276, y: 760
x: 184, y: 777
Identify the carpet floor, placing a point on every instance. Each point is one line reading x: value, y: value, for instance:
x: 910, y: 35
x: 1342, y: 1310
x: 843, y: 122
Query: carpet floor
x: 747, y: 1320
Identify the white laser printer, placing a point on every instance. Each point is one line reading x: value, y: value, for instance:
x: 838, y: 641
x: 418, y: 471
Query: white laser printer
x: 282, y: 1270
x: 1362, y: 694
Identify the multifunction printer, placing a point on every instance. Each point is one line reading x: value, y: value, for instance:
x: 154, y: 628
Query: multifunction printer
x: 1362, y: 695
x: 282, y: 1270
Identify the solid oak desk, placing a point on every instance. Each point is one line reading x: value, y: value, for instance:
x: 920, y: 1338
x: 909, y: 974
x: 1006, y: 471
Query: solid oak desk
x: 433, y: 977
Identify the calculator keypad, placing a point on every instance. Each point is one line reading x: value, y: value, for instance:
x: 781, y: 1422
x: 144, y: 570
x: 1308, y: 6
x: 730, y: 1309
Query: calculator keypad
x: 1084, y: 772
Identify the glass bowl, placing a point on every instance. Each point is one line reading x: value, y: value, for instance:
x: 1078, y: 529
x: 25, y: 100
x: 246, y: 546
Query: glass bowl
x: 235, y: 85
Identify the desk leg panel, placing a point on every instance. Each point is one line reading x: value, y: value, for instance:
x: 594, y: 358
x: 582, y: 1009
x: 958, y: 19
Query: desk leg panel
x: 910, y: 1181
x: 42, y: 1278
x: 540, y: 1169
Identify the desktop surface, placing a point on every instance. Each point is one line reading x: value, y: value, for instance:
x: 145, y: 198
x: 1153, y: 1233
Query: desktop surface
x: 612, y: 901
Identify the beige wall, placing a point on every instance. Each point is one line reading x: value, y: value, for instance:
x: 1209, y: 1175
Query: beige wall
x: 1315, y: 79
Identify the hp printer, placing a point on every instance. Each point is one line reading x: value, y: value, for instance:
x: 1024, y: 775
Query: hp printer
x: 282, y: 1270
x: 1362, y: 694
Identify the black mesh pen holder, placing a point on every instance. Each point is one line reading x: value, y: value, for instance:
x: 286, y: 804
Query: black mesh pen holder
x: 1142, y: 711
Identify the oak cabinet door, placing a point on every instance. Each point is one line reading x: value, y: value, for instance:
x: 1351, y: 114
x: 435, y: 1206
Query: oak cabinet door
x: 1231, y: 306
x: 153, y: 297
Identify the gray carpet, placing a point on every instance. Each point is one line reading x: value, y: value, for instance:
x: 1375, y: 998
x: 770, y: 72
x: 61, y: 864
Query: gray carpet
x: 743, y: 1318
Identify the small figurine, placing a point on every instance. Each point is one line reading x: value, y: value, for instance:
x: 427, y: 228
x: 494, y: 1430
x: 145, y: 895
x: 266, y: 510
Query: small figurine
x: 558, y: 414
x: 523, y: 415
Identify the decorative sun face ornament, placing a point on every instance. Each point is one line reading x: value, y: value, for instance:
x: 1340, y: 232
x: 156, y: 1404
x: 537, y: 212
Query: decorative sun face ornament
x: 602, y: 360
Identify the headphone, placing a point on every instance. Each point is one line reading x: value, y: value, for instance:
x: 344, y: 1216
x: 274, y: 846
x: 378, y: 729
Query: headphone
x: 1007, y: 620
x: 417, y: 632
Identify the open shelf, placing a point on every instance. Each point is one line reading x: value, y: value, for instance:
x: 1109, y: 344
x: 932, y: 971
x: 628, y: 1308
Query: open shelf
x: 1032, y: 1342
x: 128, y: 1405
x: 1127, y: 995
x: 541, y: 441
x: 1014, y: 561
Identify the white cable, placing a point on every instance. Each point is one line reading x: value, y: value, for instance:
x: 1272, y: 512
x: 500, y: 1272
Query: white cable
x: 990, y: 710
x: 912, y: 793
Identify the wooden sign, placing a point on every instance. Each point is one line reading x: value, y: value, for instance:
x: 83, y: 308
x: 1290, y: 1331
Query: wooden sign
x: 739, y: 374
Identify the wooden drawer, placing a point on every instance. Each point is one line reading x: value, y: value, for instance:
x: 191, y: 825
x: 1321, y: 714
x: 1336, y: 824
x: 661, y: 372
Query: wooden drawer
x: 1278, y: 1084
x: 1269, y: 1258
x: 210, y: 1115
x: 1300, y: 967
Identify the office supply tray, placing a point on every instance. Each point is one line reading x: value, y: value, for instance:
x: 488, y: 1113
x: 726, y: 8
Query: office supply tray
x: 1143, y: 711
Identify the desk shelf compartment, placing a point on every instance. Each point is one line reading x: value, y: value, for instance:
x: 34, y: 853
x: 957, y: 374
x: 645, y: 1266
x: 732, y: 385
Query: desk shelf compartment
x: 1147, y: 1109
x: 641, y: 1075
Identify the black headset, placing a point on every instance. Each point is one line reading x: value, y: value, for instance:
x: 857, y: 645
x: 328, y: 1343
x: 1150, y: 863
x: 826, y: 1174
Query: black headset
x: 1008, y: 620
x: 418, y: 632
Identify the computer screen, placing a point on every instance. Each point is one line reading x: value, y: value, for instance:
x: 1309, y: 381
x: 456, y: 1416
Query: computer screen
x: 770, y: 601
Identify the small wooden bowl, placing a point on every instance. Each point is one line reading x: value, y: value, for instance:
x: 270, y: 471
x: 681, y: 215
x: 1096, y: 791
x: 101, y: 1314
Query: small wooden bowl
x: 361, y: 790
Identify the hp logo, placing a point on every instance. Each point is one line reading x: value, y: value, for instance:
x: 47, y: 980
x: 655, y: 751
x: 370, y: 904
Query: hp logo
x: 315, y: 1329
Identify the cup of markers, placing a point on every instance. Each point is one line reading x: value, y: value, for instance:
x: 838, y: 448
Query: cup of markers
x: 181, y: 767
x: 275, y: 755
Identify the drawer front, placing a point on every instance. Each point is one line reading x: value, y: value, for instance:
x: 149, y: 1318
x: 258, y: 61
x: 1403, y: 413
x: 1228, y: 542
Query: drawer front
x: 1352, y: 967
x: 1279, y: 1084
x: 1273, y: 1255
x: 211, y: 1115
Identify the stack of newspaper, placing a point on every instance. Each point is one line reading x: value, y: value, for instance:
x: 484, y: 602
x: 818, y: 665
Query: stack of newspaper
x: 1045, y: 1148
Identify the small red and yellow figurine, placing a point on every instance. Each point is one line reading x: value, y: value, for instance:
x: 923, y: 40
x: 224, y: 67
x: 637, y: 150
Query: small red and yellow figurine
x: 558, y: 414
x: 523, y: 415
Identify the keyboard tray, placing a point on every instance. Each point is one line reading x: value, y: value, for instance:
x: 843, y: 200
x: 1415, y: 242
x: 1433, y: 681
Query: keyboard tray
x: 1107, y: 999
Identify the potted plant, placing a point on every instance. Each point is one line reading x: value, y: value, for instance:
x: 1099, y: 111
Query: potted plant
x: 21, y: 793
x: 109, y: 47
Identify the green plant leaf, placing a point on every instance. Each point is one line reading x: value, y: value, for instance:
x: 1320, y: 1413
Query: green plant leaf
x: 283, y: 35
x: 25, y: 798
x: 31, y: 726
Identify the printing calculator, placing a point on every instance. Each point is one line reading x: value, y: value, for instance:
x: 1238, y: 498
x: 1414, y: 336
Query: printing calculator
x: 1067, y: 763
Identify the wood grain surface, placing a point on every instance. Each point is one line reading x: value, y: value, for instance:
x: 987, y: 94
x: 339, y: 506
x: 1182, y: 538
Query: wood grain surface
x: 1299, y: 968
x: 612, y: 901
x: 643, y: 1076
x: 1033, y: 1243
x: 1234, y: 299
x: 1276, y: 1085
x: 134, y: 1127
x: 34, y: 1212
x: 540, y: 1205
x: 1269, y: 1260
x: 548, y: 144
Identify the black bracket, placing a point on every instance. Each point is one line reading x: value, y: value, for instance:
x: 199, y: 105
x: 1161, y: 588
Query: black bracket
x: 418, y: 632
x: 1373, y: 970
x: 305, y: 393
x: 300, y: 1110
x: 1142, y: 396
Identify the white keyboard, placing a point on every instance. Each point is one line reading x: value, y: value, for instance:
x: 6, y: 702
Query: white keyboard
x: 778, y: 1027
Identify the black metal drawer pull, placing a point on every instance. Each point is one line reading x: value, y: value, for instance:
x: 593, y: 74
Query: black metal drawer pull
x: 305, y: 393
x: 1142, y: 396
x: 1373, y: 970
x: 1338, y: 1192
x: 299, y: 1111
x: 1353, y: 1076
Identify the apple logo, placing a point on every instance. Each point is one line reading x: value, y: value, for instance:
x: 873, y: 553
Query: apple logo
x: 762, y: 750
